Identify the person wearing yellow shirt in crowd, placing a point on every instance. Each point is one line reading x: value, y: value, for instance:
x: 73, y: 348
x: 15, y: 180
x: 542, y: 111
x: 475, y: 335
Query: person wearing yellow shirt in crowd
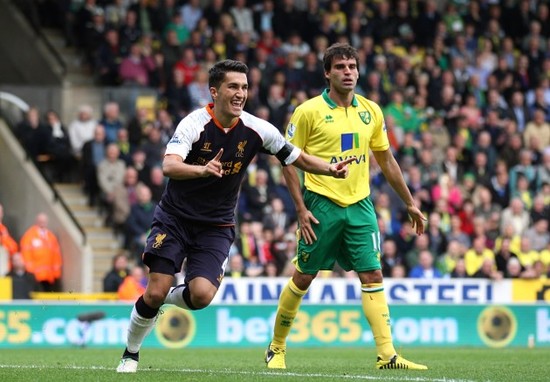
x: 475, y: 256
x: 526, y: 254
x: 42, y: 254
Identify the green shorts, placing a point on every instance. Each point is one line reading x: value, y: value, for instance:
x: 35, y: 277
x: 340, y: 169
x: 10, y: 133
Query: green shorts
x: 348, y: 235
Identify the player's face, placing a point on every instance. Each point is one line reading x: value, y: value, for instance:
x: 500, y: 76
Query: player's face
x: 343, y: 74
x: 230, y: 98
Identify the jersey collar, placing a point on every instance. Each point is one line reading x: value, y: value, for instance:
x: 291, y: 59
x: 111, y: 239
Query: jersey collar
x: 331, y: 103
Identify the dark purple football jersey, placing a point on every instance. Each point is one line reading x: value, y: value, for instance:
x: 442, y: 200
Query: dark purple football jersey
x: 198, y: 138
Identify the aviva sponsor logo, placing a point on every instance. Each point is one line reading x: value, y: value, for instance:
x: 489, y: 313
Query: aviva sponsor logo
x: 358, y: 159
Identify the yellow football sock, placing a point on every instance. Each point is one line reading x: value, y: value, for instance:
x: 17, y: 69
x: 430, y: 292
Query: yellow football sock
x: 377, y: 313
x: 289, y: 303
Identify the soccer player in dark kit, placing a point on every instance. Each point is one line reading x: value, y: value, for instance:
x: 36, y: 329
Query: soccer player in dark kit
x: 205, y: 161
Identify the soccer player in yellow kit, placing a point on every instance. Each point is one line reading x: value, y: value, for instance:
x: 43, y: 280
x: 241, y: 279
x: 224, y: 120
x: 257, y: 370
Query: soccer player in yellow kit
x: 336, y: 216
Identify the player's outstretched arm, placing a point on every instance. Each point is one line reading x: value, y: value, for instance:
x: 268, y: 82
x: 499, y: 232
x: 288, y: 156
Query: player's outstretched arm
x: 315, y: 165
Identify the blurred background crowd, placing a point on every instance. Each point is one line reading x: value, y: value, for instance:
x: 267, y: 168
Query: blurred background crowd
x: 464, y: 85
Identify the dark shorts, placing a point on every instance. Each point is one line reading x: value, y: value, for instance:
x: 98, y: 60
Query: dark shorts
x: 172, y: 240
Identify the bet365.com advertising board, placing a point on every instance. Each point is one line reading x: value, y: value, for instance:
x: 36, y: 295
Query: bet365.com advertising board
x: 444, y: 312
x: 58, y: 325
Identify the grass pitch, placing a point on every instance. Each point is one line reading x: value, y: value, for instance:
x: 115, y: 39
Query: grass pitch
x: 319, y: 364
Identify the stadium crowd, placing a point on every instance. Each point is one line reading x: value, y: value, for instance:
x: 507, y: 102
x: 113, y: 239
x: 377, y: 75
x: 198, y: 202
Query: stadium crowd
x: 464, y: 86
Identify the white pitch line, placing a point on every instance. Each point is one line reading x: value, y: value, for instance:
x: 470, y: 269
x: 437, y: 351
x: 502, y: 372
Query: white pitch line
x: 251, y: 373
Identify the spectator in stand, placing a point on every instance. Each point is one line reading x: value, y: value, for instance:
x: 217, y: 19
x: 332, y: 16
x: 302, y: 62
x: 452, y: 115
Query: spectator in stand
x: 437, y: 238
x: 425, y: 268
x: 124, y: 197
x: 199, y: 91
x: 390, y: 258
x: 514, y: 269
x: 111, y: 121
x: 138, y: 126
x: 421, y: 243
x: 94, y: 34
x: 123, y: 143
x: 115, y: 13
x: 527, y: 255
x: 516, y: 216
x: 82, y: 129
x: 278, y: 104
x: 157, y: 183
x: 246, y: 241
x: 191, y: 13
x: 165, y: 123
x: 257, y: 196
x: 135, y: 69
x: 456, y: 233
x: 244, y: 20
x: 8, y: 245
x: 503, y: 256
x: 133, y: 285
x: 447, y: 190
x: 499, y: 187
x: 130, y: 31
x: 460, y: 269
x: 488, y: 270
x: 235, y: 268
x: 33, y: 135
x: 139, y: 221
x: 42, y: 254
x: 110, y: 174
x: 23, y: 282
x: 59, y: 147
x: 475, y: 256
x: 275, y: 216
x: 153, y: 147
x: 447, y: 262
x: 176, y: 33
x: 177, y: 95
x: 539, y: 128
x: 171, y: 50
x: 93, y: 152
x: 483, y: 202
x: 116, y: 275
x: 263, y: 16
x: 187, y: 65
x: 148, y: 16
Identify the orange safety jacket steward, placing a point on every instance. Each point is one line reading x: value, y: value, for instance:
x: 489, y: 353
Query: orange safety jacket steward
x: 41, y: 253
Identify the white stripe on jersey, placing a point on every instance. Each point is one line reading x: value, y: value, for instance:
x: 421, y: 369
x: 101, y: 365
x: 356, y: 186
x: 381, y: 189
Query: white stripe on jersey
x: 190, y: 128
x: 188, y: 132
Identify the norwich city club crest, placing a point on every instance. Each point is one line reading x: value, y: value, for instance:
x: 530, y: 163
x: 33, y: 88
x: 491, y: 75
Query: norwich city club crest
x: 365, y: 117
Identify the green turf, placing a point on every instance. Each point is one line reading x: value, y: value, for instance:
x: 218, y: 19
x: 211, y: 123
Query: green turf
x: 320, y: 364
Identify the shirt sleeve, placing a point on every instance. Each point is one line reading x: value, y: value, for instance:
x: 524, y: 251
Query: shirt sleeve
x: 379, y: 141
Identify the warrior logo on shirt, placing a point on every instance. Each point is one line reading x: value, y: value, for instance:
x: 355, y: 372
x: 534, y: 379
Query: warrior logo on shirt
x: 207, y: 147
x: 240, y: 149
x: 158, y: 240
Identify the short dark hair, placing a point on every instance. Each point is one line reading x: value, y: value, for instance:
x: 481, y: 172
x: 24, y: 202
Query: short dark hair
x: 216, y: 74
x: 339, y: 50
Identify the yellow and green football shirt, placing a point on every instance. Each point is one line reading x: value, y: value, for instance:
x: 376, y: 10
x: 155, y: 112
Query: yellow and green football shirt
x: 334, y: 133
